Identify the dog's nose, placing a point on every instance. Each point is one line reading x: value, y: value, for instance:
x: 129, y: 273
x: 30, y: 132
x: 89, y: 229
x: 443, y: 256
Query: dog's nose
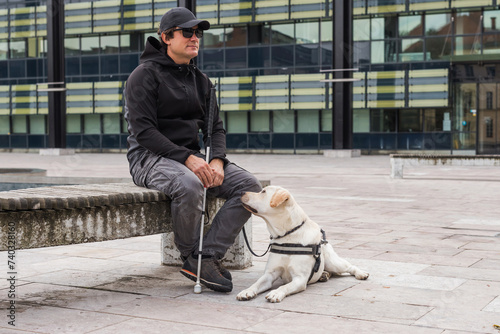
x: 245, y: 198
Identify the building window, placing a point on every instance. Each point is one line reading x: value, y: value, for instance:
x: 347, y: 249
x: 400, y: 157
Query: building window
x: 111, y: 123
x: 282, y: 34
x: 259, y: 121
x: 19, y: 124
x: 73, y: 123
x: 308, y: 121
x: 383, y: 120
x: 307, y: 32
x: 361, y: 121
x: 4, y: 125
x: 92, y: 124
x: 410, y: 120
x: 237, y: 122
x: 284, y: 121
x: 37, y: 124
x: 236, y: 36
x: 18, y: 48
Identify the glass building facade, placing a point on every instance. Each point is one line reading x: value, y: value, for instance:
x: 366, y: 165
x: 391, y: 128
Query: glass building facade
x: 428, y: 73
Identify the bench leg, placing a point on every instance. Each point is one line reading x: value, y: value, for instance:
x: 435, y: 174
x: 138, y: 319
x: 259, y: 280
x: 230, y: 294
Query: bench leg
x: 237, y: 257
x: 396, y: 168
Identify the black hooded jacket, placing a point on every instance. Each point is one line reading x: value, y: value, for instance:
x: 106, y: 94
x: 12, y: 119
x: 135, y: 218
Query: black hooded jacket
x: 166, y: 105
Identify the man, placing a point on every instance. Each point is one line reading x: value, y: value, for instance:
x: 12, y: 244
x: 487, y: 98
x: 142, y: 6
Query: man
x: 167, y: 102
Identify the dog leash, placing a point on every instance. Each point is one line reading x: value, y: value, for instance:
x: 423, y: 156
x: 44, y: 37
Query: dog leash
x: 250, y: 248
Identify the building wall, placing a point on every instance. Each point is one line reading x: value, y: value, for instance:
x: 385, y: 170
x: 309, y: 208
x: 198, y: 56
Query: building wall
x: 266, y: 57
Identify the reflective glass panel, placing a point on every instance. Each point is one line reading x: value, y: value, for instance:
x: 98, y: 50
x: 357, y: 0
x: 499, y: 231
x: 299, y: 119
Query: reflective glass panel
x: 283, y: 121
x: 361, y: 30
x: 259, y: 121
x: 491, y: 21
x: 361, y: 120
x: 110, y: 44
x: 307, y: 32
x: 491, y: 44
x: 412, y: 50
x: 282, y: 34
x: 383, y: 120
x: 90, y: 45
x: 37, y: 124
x: 410, y: 120
x: 237, y: 122
x: 236, y: 36
x: 4, y: 125
x: 410, y: 26
x: 326, y: 120
x: 467, y: 23
x: 72, y: 46
x: 308, y: 121
x: 437, y: 24
x: 258, y: 34
x: 73, y: 123
x: 92, y: 124
x: 111, y: 123
x: 326, y: 31
x: 4, y: 49
x: 18, y: 48
x: 213, y: 38
x: 19, y: 124
x: 438, y: 47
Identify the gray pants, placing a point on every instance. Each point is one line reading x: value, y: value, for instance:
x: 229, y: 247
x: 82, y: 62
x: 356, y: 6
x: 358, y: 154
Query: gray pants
x: 185, y: 190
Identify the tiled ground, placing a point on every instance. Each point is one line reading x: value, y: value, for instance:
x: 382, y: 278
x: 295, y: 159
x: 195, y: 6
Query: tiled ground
x: 431, y: 243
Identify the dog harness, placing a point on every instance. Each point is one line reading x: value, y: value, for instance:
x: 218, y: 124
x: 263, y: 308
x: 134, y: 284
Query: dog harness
x: 299, y: 249
x: 294, y: 249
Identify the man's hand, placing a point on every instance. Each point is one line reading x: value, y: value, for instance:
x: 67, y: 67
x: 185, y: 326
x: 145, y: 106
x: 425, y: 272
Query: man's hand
x: 201, y: 169
x: 217, y: 166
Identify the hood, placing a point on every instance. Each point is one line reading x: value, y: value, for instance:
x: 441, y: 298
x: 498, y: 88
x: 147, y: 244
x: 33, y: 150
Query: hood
x: 155, y: 52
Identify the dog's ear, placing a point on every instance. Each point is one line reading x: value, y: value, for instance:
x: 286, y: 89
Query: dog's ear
x: 279, y: 198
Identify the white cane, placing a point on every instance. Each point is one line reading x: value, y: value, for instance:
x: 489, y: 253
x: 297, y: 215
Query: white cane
x: 211, y: 111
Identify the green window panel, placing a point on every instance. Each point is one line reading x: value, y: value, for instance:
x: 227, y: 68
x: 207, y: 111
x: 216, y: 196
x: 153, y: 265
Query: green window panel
x: 326, y: 120
x: 361, y: 121
x: 4, y: 124
x: 237, y: 122
x: 361, y: 29
x: 283, y: 121
x: 92, y: 124
x: 106, y: 16
x: 4, y: 100
x: 428, y: 4
x: 19, y: 124
x: 259, y: 121
x: 73, y: 123
x: 308, y: 121
x: 78, y: 18
x: 137, y: 14
x: 37, y: 124
x: 160, y: 7
x: 111, y: 123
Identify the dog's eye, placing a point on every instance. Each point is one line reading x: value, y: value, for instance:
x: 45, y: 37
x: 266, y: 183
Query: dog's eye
x: 263, y: 191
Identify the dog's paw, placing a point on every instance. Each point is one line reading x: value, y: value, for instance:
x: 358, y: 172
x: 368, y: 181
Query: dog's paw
x: 246, y: 295
x: 325, y: 276
x: 275, y: 296
x: 361, y: 275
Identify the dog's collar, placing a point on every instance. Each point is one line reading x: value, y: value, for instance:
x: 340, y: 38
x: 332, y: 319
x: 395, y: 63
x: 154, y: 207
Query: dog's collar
x: 289, y: 232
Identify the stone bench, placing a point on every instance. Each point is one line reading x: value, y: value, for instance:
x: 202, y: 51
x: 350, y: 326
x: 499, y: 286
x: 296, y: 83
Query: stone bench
x: 66, y: 215
x: 399, y: 161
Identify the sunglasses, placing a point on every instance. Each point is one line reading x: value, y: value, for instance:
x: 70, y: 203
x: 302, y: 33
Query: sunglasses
x: 188, y: 32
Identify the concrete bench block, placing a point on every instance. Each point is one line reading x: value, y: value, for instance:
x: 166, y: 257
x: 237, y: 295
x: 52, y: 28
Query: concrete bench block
x: 65, y: 215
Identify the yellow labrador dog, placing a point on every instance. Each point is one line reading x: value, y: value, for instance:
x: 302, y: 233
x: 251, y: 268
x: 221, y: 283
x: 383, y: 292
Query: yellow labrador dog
x: 300, y: 255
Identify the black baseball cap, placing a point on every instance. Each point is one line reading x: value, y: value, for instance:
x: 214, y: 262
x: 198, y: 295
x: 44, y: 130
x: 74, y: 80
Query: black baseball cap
x: 183, y: 18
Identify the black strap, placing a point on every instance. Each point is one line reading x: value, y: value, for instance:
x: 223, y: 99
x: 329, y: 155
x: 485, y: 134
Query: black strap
x: 289, y: 232
x: 250, y: 248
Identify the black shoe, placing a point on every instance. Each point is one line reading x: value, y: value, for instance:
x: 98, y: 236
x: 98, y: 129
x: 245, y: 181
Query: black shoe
x: 224, y: 271
x: 210, y: 275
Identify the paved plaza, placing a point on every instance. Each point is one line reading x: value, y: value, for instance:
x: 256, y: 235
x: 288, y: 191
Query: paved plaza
x: 430, y: 241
